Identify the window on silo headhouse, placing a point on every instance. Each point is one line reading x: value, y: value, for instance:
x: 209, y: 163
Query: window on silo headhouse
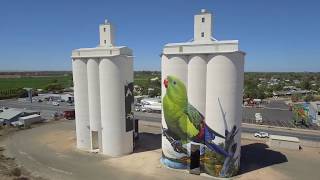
x: 105, y: 41
x: 180, y: 49
x: 104, y: 29
x: 202, y: 34
x: 202, y: 20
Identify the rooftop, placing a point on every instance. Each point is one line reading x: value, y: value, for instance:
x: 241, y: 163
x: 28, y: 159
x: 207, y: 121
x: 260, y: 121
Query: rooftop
x: 202, y: 42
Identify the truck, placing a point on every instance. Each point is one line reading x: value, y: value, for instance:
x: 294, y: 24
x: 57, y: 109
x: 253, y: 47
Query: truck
x: 69, y: 114
x: 26, y: 121
x: 151, y: 105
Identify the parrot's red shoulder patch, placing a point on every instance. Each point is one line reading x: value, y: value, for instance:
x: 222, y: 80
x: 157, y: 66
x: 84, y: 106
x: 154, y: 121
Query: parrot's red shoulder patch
x: 200, y: 135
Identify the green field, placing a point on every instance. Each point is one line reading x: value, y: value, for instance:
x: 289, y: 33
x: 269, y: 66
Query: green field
x: 34, y: 82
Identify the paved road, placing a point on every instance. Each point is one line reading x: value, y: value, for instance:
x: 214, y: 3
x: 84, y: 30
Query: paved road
x: 277, y: 104
x: 311, y: 137
x: 46, y: 108
x: 35, y: 105
x: 272, y: 117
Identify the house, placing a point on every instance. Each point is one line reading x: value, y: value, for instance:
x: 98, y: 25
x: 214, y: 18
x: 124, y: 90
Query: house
x: 154, y: 79
x: 9, y: 115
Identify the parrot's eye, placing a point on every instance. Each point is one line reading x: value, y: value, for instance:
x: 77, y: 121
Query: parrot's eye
x: 174, y: 82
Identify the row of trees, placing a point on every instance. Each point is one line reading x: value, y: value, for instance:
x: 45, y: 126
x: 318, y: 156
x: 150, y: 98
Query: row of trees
x: 53, y: 86
x: 13, y: 93
x: 254, y: 88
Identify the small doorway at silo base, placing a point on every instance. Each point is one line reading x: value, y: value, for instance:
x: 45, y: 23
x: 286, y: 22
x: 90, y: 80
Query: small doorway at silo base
x: 94, y: 140
x: 194, y: 166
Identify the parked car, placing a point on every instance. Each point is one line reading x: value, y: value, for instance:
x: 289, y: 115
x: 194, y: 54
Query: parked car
x: 69, y: 114
x: 143, y: 109
x: 261, y: 134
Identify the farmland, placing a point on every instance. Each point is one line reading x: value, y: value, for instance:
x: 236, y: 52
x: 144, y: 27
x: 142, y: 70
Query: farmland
x: 34, y: 82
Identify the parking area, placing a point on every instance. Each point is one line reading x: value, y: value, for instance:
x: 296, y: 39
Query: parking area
x: 46, y: 108
x: 273, y: 117
x: 276, y: 113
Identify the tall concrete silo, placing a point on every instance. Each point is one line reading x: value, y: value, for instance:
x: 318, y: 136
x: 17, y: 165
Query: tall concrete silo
x: 202, y: 96
x: 103, y: 84
x: 80, y: 82
x: 94, y: 102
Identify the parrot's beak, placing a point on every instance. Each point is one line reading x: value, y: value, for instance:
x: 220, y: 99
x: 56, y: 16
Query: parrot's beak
x: 165, y: 82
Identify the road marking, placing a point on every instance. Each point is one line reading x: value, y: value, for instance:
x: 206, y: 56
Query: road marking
x: 60, y: 170
x: 28, y: 156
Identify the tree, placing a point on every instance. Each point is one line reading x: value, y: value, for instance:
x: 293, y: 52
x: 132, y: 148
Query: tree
x: 54, y: 81
x: 54, y: 87
x: 306, y: 84
x: 308, y: 98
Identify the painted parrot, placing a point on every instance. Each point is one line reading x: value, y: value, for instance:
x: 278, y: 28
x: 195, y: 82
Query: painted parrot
x: 185, y: 123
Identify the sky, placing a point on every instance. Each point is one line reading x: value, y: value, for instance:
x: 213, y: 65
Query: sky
x: 276, y: 35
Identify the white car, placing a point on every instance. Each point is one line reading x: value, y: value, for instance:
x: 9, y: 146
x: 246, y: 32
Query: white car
x: 258, y: 117
x: 55, y: 103
x: 261, y: 134
x: 137, y: 108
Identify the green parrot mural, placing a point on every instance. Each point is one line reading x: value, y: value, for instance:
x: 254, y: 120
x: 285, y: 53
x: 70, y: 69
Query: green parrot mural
x: 185, y: 124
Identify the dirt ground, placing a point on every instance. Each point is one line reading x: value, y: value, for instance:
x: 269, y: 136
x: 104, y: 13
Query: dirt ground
x: 60, y: 141
x: 57, y: 142
x: 9, y: 169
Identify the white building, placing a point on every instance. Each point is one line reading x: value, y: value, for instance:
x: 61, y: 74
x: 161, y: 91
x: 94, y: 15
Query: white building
x: 103, y: 85
x: 212, y: 72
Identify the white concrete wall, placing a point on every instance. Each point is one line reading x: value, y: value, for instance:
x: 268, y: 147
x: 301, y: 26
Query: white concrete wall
x: 106, y: 35
x: 176, y: 66
x: 115, y: 140
x: 197, y: 75
x: 224, y: 94
x: 126, y: 69
x: 79, y: 67
x: 94, y: 95
x: 202, y: 27
x: 164, y: 60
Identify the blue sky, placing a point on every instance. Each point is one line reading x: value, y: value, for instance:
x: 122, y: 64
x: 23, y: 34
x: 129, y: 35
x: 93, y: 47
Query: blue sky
x: 276, y: 35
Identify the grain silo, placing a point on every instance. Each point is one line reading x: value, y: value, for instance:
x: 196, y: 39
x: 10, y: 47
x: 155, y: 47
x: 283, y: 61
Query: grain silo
x: 103, y: 85
x: 202, y: 97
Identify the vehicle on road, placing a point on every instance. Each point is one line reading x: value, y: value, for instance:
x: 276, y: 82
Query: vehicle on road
x: 261, y: 134
x: 151, y: 105
x: 258, y: 117
x: 137, y: 108
x: 55, y: 103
